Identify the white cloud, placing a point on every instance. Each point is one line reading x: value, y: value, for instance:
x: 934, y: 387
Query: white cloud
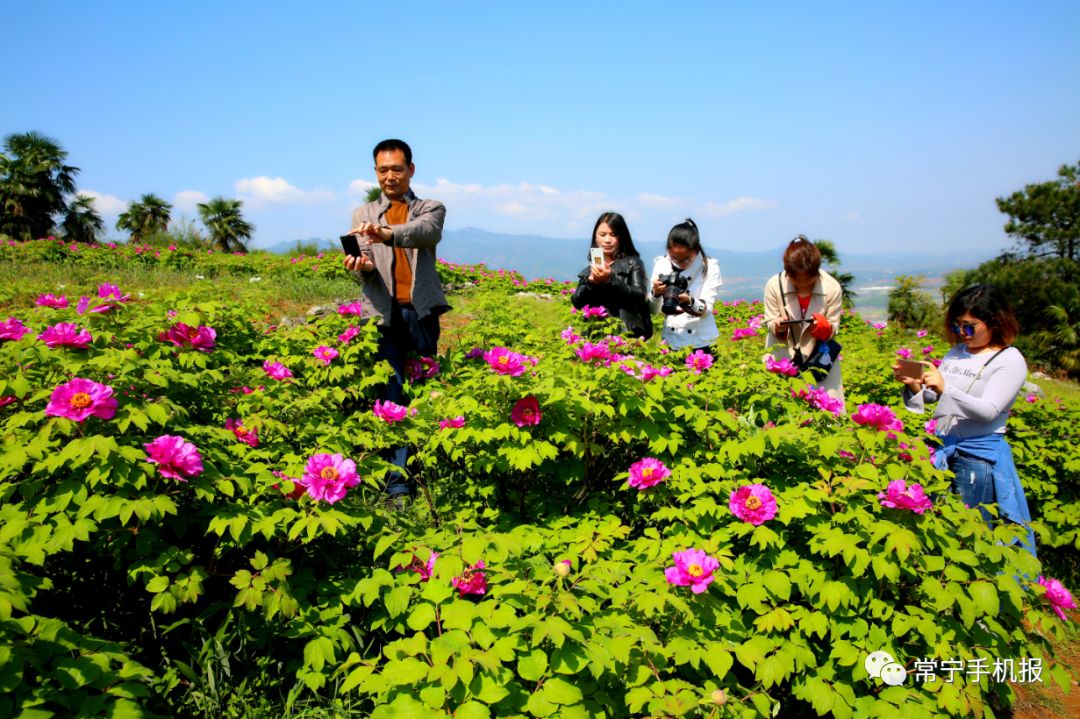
x: 649, y: 199
x: 105, y: 204
x: 187, y: 199
x: 359, y: 188
x: 275, y: 190
x: 524, y: 201
x: 739, y: 204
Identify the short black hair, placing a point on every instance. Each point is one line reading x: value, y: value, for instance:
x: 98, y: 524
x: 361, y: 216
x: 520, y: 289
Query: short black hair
x: 986, y: 303
x: 618, y: 225
x: 391, y: 145
x: 685, y: 234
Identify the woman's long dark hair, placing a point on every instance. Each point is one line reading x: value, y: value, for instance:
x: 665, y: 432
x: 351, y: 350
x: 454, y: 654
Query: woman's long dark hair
x: 618, y: 225
x: 685, y: 234
x: 986, y: 303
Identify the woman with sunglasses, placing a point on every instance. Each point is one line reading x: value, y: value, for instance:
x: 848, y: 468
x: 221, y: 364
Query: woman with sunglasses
x: 685, y: 284
x: 974, y: 387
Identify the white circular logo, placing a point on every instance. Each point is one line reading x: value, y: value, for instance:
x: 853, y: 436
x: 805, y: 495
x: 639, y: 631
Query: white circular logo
x: 876, y: 661
x: 893, y: 674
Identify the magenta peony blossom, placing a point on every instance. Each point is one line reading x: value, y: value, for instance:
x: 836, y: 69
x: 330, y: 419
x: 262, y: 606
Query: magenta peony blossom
x: 424, y: 569
x: 472, y: 581
x: 276, y: 370
x: 298, y: 491
x: 348, y: 334
x: 175, y: 457
x: 878, y: 325
x: 249, y: 437
x: 475, y: 353
x: 879, y: 417
x: 325, y: 354
x: 647, y: 473
x: 753, y: 503
x: 904, y: 352
x: 201, y: 338
x: 503, y: 361
x: 7, y: 399
x: 526, y: 412
x: 590, y: 352
x: 782, y: 366
x: 50, y: 300
x: 591, y: 312
x: 742, y: 333
x: 1058, y: 596
x: 699, y: 361
x: 931, y: 426
x: 569, y: 336
x: 921, y: 333
x: 12, y: 329
x: 111, y: 291
x: 693, y: 568
x: 820, y: 399
x: 927, y: 349
x: 1031, y: 398
x: 81, y: 398
x: 898, y: 495
x: 422, y: 368
x: 452, y: 422
x: 353, y: 308
x: 389, y: 412
x: 66, y: 334
x: 329, y: 476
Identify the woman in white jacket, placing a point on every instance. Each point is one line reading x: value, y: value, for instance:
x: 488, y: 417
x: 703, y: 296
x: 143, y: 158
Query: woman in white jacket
x: 688, y: 317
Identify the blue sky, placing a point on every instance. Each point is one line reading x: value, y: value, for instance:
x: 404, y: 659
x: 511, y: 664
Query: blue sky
x: 881, y: 126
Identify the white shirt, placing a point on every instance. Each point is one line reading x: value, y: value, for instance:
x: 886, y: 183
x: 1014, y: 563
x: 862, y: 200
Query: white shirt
x: 684, y: 329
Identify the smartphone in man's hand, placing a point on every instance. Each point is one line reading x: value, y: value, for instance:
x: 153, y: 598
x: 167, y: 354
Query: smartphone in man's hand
x: 350, y: 245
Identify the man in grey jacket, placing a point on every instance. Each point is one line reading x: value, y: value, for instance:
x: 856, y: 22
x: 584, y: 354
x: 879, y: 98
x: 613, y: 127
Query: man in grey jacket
x: 398, y: 233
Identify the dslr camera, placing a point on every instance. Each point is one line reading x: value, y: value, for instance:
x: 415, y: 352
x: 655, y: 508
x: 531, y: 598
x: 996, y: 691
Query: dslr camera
x: 676, y: 285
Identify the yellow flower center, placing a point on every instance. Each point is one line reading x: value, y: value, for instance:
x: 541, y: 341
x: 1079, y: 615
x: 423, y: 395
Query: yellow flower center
x: 527, y: 413
x: 329, y: 474
x: 695, y: 570
x: 647, y: 472
x: 504, y: 360
x: 753, y: 502
x: 80, y: 400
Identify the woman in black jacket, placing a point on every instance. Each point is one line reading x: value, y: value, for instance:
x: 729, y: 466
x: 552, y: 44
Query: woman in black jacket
x: 618, y: 284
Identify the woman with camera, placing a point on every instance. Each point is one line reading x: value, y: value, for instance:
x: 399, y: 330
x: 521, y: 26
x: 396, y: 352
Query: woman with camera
x: 802, y: 313
x: 685, y: 285
x: 615, y: 276
x: 974, y: 387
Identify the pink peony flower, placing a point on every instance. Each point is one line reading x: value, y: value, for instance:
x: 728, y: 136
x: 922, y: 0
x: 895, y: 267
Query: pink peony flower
x: 591, y: 312
x: 931, y: 426
x: 389, y: 412
x: 201, y: 338
x: 424, y: 569
x: 422, y: 368
x: 1031, y: 398
x: 298, y: 491
x: 904, y: 352
x: 753, y: 503
x: 699, y: 361
x: 474, y: 353
x: 452, y: 422
x: 820, y: 399
x: 81, y: 398
x: 590, y: 352
x: 693, y: 568
x: 782, y: 366
x: 50, y: 300
x: 12, y: 329
x: 927, y: 349
x: 526, y: 412
x: 742, y: 333
x: 111, y: 291
x: 878, y: 325
x: 846, y: 454
x: 921, y: 333
x: 472, y: 581
x: 569, y: 336
x: 503, y: 361
x: 898, y: 495
x: 879, y: 417
x: 1058, y: 596
x: 7, y: 399
x: 353, y: 308
x: 348, y: 334
x: 325, y: 354
x: 648, y: 472
x: 755, y: 322
x: 249, y: 437
x: 66, y: 334
x: 329, y: 476
x: 175, y: 457
x: 276, y: 370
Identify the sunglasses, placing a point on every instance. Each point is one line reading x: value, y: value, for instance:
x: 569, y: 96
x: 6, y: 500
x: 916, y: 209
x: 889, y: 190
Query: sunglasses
x: 966, y: 329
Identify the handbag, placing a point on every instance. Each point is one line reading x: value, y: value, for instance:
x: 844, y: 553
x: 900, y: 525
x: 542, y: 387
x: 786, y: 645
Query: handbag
x: 820, y: 360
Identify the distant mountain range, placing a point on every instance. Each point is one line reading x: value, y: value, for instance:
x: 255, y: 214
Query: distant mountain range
x: 744, y: 273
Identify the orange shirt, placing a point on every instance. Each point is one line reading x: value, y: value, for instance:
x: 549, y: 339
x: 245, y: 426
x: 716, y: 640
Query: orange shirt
x: 398, y: 214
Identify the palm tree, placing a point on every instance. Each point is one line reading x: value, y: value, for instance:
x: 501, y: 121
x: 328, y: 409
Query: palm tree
x: 82, y: 223
x: 227, y: 227
x: 373, y: 194
x: 846, y: 279
x: 34, y: 182
x: 145, y: 218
